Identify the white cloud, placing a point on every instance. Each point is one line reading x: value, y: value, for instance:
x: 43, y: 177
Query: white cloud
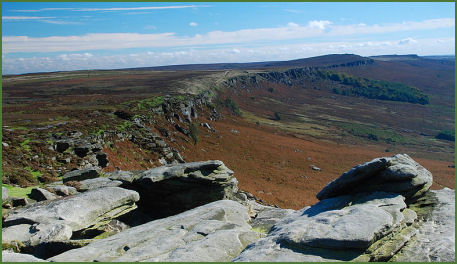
x: 111, y: 8
x: 75, y: 61
x: 193, y: 24
x: 339, y: 30
x: 407, y: 41
x: 292, y: 24
x: 49, y: 20
x: 112, y: 41
x: 24, y: 18
x: 321, y: 24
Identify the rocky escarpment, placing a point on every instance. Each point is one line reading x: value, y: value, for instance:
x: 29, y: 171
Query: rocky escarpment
x: 381, y: 210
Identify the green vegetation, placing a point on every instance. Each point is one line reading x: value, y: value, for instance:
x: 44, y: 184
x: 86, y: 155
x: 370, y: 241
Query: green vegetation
x: 104, y: 235
x: 446, y: 135
x: 374, y: 89
x: 25, y: 144
x: 374, y: 133
x: 35, y: 174
x: 194, y: 132
x: 180, y: 98
x: 18, y: 191
x: 123, y: 127
x: 259, y: 229
x: 148, y: 103
x: 230, y: 104
x: 16, y: 246
x: 271, y: 90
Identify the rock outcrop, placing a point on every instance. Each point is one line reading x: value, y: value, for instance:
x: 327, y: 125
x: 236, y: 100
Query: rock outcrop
x: 398, y: 174
x: 435, y: 238
x: 381, y: 210
x: 57, y: 220
x: 80, y: 175
x: 378, y: 211
x: 218, y: 231
x: 40, y: 194
x: 173, y: 189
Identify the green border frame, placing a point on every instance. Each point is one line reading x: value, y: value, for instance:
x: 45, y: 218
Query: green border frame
x: 1, y: 95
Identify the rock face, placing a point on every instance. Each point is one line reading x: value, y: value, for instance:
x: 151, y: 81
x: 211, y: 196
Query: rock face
x: 79, y: 175
x: 218, y: 231
x: 40, y: 194
x: 435, y: 239
x: 79, y: 211
x: 172, y: 189
x: 398, y: 174
x: 377, y: 211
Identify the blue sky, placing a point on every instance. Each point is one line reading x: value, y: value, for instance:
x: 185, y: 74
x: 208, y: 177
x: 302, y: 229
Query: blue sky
x: 72, y: 36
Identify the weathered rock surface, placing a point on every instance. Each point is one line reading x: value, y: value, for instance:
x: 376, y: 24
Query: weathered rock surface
x: 4, y: 194
x: 123, y: 176
x: 63, y: 190
x: 218, y: 231
x: 8, y: 256
x: 329, y: 230
x: 19, y: 201
x: 172, y: 189
x: 78, y: 211
x: 80, y: 175
x: 267, y: 217
x: 399, y: 174
x: 381, y: 210
x: 97, y: 183
x: 40, y: 194
x: 371, y: 223
x: 435, y: 240
x: 31, y: 235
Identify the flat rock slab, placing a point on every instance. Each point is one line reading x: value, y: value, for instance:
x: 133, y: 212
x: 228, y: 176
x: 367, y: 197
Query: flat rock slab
x: 335, y: 229
x: 80, y: 175
x: 123, y: 176
x: 90, y: 184
x: 78, y: 211
x: 63, y: 190
x: 8, y: 256
x: 31, y: 235
x: 399, y: 174
x: 218, y: 231
x: 212, y: 170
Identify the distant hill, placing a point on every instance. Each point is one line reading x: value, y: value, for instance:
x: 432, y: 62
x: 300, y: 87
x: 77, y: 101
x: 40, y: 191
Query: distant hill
x: 332, y: 60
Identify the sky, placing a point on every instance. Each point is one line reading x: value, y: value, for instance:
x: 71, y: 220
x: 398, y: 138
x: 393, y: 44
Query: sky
x: 41, y: 37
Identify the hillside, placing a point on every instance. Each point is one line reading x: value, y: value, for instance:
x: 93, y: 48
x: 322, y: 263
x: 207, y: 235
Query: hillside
x: 282, y: 118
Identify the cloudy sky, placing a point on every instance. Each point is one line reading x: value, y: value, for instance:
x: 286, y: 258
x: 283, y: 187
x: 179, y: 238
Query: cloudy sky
x: 71, y: 36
